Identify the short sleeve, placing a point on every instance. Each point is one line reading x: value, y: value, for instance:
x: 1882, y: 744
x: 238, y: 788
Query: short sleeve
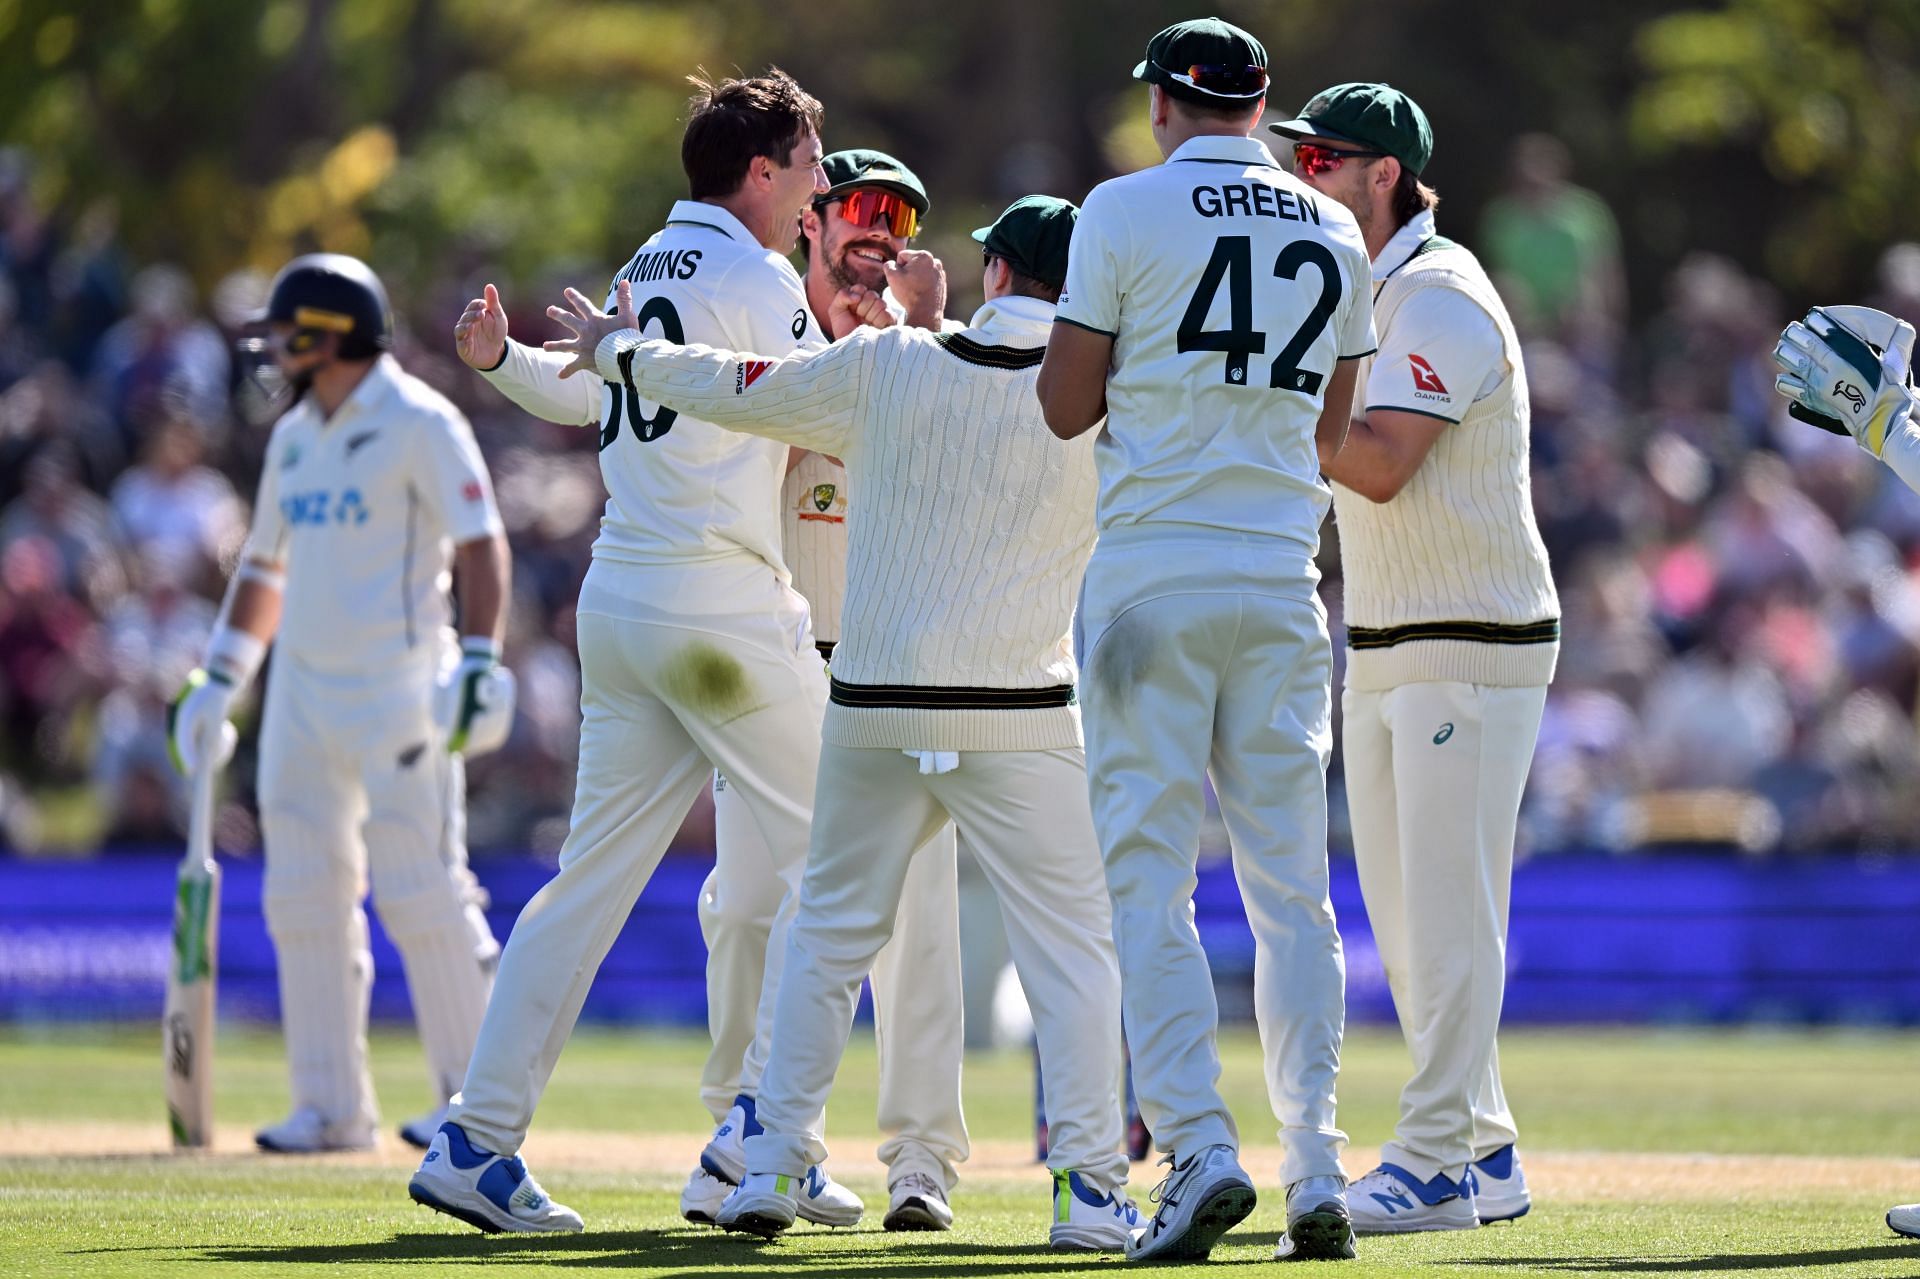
x: 452, y: 476
x: 1357, y: 337
x: 267, y: 536
x: 1440, y: 355
x: 1096, y: 265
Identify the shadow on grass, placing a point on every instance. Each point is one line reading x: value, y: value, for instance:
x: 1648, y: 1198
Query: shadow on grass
x: 692, y: 1253
x: 1697, y: 1264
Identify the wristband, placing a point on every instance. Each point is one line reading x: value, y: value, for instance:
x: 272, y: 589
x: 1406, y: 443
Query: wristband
x: 274, y: 579
x: 480, y: 646
x: 233, y: 656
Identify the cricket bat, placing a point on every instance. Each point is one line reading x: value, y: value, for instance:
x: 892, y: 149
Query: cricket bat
x: 193, y: 963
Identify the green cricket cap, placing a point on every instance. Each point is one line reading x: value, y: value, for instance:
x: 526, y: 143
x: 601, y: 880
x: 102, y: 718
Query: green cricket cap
x: 1033, y: 235
x: 1376, y: 116
x: 1207, y: 61
x: 848, y: 169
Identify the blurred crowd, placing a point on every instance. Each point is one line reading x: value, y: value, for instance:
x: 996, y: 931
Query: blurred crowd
x: 1741, y: 593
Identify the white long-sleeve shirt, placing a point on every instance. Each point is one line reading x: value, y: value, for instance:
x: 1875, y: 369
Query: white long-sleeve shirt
x: 970, y: 533
x: 695, y: 508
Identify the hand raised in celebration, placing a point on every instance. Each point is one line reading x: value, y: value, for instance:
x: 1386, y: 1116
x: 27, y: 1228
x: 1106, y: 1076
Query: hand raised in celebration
x: 854, y: 306
x: 919, y: 284
x: 590, y: 326
x: 480, y: 334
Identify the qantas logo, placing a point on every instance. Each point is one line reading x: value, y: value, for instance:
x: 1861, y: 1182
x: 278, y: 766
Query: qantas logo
x: 1424, y: 378
x: 749, y: 373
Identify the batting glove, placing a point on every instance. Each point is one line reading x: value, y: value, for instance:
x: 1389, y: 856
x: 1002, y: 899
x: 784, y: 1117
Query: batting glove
x: 474, y: 702
x: 1848, y: 370
x: 198, y: 733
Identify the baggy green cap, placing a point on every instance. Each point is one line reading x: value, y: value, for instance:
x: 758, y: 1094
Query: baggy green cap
x: 1206, y: 61
x: 1376, y: 116
x: 860, y: 168
x: 1033, y: 235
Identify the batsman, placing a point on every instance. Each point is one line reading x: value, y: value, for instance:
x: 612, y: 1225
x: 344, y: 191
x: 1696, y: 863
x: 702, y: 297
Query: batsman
x: 374, y: 499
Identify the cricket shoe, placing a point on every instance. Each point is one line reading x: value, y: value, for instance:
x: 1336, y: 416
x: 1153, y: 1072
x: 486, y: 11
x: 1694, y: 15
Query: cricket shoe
x: 1392, y: 1201
x: 1500, y: 1187
x: 918, y: 1202
x: 418, y: 1132
x: 725, y: 1156
x: 700, y: 1201
x: 765, y: 1203
x: 1905, y: 1220
x: 1085, y: 1218
x: 307, y: 1132
x: 1318, y: 1225
x: 1201, y: 1199
x: 485, y: 1190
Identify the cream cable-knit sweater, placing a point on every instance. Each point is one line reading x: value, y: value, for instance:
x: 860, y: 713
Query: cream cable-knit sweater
x: 969, y: 530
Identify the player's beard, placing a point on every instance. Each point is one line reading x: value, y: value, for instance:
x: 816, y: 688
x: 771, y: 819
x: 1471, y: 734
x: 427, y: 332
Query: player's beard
x: 843, y: 278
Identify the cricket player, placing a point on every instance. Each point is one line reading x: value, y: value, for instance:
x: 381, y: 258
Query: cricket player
x: 1214, y: 313
x: 695, y: 651
x: 373, y: 499
x: 1849, y: 370
x: 1453, y: 628
x: 857, y: 232
x: 952, y: 692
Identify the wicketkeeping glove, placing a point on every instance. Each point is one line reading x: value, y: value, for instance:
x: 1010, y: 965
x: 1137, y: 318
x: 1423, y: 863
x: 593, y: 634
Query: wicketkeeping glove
x: 198, y: 734
x: 1848, y: 369
x: 474, y: 702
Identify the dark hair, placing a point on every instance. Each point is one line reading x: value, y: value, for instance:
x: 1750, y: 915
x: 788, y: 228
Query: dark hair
x: 1212, y: 110
x: 1026, y: 285
x: 731, y: 122
x: 1412, y: 197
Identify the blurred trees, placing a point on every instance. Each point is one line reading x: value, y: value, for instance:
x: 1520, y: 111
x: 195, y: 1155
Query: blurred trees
x: 440, y: 136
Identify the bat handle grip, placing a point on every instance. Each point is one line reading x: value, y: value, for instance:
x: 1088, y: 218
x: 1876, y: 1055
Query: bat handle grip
x: 200, y: 817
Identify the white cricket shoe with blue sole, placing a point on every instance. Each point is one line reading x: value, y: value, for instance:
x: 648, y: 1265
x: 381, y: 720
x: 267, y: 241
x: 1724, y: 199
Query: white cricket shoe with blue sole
x: 725, y: 1155
x: 1500, y: 1187
x: 1202, y: 1198
x: 1319, y: 1227
x: 1392, y: 1201
x: 1905, y: 1220
x: 307, y: 1132
x: 418, y: 1132
x: 766, y: 1203
x: 485, y: 1190
x: 700, y: 1201
x: 1087, y: 1219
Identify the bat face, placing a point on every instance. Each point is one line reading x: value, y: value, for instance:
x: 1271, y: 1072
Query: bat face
x: 187, y: 1026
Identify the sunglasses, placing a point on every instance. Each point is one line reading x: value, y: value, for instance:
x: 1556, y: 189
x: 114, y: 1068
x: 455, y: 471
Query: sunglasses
x: 869, y: 207
x: 1222, y: 81
x: 1310, y: 158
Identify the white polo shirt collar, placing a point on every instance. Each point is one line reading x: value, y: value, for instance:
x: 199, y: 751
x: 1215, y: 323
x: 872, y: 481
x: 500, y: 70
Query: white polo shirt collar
x: 1213, y: 148
x: 712, y: 216
x: 1399, y: 251
x: 368, y: 395
x: 1014, y: 320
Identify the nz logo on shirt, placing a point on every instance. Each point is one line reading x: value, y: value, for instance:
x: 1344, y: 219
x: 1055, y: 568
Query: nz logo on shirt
x: 318, y: 508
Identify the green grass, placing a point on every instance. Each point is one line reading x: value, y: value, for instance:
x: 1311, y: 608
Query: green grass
x: 1846, y: 1097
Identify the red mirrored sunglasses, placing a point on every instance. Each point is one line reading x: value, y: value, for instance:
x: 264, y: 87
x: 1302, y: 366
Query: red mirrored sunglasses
x: 1310, y: 158
x: 1223, y: 81
x: 869, y: 206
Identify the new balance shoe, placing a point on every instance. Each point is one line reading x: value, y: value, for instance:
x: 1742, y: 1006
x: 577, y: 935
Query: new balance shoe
x: 1201, y: 1199
x: 1500, y: 1187
x: 418, y: 1132
x: 307, y: 1132
x: 700, y: 1201
x: 485, y: 1190
x: 1905, y: 1220
x: 764, y: 1204
x: 825, y: 1202
x: 917, y: 1202
x: 1318, y: 1225
x: 725, y: 1155
x: 1391, y: 1201
x: 1086, y: 1218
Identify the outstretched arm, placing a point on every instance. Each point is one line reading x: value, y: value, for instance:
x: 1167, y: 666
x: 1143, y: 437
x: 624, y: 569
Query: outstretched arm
x: 532, y: 379
x: 811, y: 399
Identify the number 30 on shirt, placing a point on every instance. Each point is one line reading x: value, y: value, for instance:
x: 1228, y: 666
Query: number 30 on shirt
x: 622, y: 401
x: 1232, y: 262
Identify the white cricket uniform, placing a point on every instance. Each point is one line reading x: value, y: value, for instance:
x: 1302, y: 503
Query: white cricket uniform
x: 967, y: 543
x: 915, y: 977
x: 1453, y: 632
x: 1230, y: 290
x: 364, y: 509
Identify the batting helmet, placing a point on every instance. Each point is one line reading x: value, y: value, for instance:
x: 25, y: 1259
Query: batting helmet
x: 332, y: 293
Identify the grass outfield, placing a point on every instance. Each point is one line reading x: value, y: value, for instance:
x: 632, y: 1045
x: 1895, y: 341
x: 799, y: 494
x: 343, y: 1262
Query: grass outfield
x: 1664, y: 1153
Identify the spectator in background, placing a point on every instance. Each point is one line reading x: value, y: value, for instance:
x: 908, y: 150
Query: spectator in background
x: 173, y: 506
x: 53, y: 507
x: 49, y: 666
x: 162, y: 348
x: 1554, y: 251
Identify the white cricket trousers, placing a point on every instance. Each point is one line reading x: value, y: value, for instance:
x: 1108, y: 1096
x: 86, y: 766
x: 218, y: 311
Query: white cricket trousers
x: 915, y: 979
x: 1020, y: 812
x: 663, y: 703
x: 1178, y: 685
x: 355, y: 778
x: 1434, y: 777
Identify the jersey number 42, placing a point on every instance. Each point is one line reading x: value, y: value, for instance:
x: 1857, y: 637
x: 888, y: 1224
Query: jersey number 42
x: 1232, y: 261
x: 622, y: 401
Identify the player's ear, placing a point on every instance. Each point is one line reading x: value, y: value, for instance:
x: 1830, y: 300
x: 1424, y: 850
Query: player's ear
x: 1387, y: 176
x: 810, y: 222
x: 1157, y: 106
